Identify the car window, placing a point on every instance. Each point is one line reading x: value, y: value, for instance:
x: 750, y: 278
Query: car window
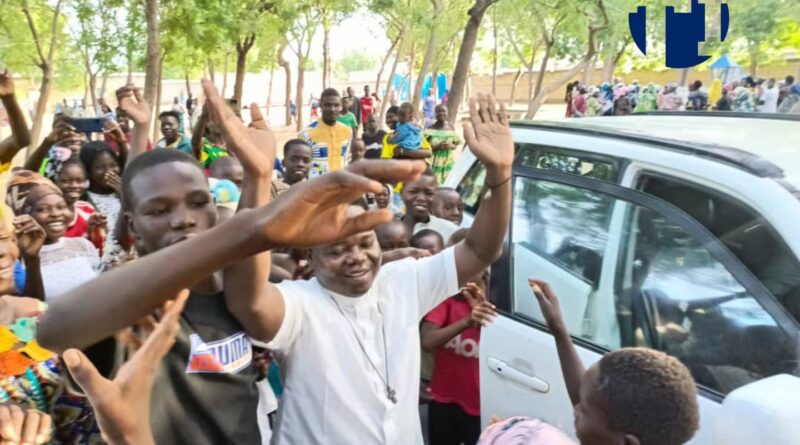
x: 471, y: 187
x: 743, y: 231
x: 570, y: 162
x: 628, y: 276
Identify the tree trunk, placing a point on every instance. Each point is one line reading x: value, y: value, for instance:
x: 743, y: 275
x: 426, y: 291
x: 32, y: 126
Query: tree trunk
x: 41, y: 106
x: 537, y: 101
x: 242, y: 48
x: 494, y: 53
x: 287, y: 70
x: 269, y: 90
x: 129, y: 80
x: 152, y: 79
x: 298, y: 99
x: 753, y: 63
x: 587, y: 72
x: 224, y: 76
x: 188, y: 84
x: 383, y: 64
x: 514, y: 82
x: 461, y: 71
x: 157, y: 128
x: 86, y: 96
x: 412, y: 61
x: 548, y: 49
x: 608, y: 68
x: 93, y: 92
x: 46, y: 65
x: 103, y: 85
x: 430, y: 52
x: 210, y: 66
x: 385, y: 101
x: 326, y: 53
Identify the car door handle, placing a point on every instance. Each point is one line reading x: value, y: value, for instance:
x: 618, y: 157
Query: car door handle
x: 509, y: 372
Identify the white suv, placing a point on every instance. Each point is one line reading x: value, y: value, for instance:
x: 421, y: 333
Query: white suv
x: 679, y: 232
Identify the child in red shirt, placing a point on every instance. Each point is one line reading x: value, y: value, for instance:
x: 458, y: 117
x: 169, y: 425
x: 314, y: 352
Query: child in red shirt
x: 453, y: 331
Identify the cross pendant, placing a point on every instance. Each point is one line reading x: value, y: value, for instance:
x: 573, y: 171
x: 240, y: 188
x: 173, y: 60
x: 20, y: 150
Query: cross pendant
x: 391, y: 394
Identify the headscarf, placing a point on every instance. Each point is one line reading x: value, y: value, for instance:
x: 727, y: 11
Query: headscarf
x: 715, y: 91
x: 26, y: 188
x: 225, y: 192
x: 523, y: 431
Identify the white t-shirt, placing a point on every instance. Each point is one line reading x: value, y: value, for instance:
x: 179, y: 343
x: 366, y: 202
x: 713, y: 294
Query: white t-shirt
x: 67, y: 264
x: 332, y: 395
x: 442, y: 226
x: 770, y: 99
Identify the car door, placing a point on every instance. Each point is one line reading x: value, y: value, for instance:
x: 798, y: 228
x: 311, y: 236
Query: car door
x: 630, y: 270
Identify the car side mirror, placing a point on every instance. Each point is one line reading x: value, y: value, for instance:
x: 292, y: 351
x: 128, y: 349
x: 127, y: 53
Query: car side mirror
x: 763, y: 412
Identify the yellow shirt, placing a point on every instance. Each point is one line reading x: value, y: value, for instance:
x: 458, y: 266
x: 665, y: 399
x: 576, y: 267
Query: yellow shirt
x: 329, y: 144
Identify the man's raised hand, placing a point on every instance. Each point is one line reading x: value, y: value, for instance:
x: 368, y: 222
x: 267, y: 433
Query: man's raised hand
x: 132, y: 102
x: 254, y: 146
x: 489, y: 135
x: 314, y: 212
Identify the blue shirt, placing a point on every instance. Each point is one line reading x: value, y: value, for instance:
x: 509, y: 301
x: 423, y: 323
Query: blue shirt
x: 407, y: 136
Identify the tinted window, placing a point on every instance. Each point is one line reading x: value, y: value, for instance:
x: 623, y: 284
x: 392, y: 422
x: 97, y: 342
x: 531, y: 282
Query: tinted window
x: 628, y: 276
x: 471, y: 186
x: 743, y: 231
x: 573, y: 163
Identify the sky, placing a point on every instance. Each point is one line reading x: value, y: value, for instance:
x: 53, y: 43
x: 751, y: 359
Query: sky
x: 363, y: 31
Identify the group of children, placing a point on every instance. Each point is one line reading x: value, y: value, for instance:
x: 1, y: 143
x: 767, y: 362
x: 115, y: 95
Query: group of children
x: 193, y: 380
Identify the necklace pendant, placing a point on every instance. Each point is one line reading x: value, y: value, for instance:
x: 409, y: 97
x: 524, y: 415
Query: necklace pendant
x: 391, y: 394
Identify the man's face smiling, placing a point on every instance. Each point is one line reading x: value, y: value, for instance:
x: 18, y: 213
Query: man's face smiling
x: 170, y: 203
x: 348, y: 267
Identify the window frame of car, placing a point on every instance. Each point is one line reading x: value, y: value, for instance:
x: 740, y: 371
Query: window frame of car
x: 501, y: 284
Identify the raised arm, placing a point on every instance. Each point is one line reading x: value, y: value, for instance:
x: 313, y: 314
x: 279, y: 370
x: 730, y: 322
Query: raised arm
x: 309, y: 214
x: 198, y: 134
x: 571, y: 365
x: 20, y: 135
x: 490, y: 140
x: 30, y: 239
x: 131, y: 101
x: 255, y: 148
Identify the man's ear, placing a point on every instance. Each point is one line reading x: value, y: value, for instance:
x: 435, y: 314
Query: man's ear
x: 630, y: 439
x: 129, y: 223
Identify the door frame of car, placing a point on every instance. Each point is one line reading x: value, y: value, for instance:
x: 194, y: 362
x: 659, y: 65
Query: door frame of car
x: 501, y: 277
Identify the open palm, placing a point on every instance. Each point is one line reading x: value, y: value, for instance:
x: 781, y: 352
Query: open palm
x: 253, y: 146
x: 489, y: 135
x: 315, y: 212
x: 122, y: 406
x: 133, y: 104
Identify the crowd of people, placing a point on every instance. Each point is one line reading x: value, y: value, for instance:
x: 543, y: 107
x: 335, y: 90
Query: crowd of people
x: 205, y: 292
x: 747, y: 95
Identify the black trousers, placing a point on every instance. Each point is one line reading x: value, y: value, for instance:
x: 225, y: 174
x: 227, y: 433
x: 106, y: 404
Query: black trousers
x: 448, y: 424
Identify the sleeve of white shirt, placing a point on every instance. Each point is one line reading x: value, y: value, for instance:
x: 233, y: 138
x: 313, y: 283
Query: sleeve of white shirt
x: 292, y: 319
x: 437, y: 280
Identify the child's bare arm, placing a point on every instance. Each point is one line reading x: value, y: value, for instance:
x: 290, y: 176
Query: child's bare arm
x: 483, y: 313
x: 571, y: 365
x: 20, y: 135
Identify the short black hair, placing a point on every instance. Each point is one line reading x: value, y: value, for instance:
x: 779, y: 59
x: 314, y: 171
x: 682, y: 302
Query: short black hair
x: 70, y: 163
x: 394, y: 109
x: 329, y: 92
x: 425, y: 233
x: 222, y: 162
x: 149, y: 160
x: 648, y: 394
x: 789, y: 80
x: 292, y: 142
x: 92, y: 150
x: 170, y: 113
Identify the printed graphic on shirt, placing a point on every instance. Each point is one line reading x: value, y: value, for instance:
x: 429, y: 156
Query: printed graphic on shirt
x: 464, y: 347
x: 226, y: 356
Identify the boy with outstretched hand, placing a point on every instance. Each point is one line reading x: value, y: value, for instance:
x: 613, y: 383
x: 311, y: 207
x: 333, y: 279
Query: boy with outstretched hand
x: 632, y: 396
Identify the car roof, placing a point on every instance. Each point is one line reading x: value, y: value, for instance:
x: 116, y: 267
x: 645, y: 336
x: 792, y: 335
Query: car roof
x: 765, y: 145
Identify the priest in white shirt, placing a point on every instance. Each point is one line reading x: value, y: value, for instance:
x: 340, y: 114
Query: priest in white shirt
x: 348, y: 341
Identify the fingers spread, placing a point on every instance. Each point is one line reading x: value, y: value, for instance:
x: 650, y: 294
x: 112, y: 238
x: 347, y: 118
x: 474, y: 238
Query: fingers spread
x: 492, y: 110
x: 503, y: 115
x: 483, y: 109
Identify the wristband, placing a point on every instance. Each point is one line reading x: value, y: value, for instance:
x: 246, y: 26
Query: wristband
x: 492, y: 187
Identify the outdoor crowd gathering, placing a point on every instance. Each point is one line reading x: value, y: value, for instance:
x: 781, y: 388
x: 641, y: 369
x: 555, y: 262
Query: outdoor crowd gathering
x: 203, y: 292
x: 179, y: 271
